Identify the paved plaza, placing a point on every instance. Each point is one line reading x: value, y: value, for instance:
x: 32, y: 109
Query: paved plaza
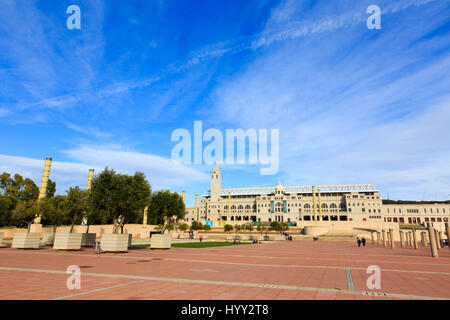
x: 277, y: 270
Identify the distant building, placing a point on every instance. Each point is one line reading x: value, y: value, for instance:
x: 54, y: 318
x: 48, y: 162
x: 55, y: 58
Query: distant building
x: 359, y: 203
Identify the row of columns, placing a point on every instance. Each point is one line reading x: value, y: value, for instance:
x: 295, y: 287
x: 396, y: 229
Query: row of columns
x: 409, y: 238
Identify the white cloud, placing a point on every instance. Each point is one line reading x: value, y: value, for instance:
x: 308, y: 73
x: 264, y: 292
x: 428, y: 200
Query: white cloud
x: 162, y: 173
x: 352, y: 110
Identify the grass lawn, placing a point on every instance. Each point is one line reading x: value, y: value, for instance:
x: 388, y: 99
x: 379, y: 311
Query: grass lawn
x: 206, y: 244
x: 196, y: 244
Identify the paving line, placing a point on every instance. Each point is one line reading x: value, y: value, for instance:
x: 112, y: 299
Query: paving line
x: 230, y: 283
x: 350, y: 284
x: 306, y: 258
x: 336, y: 252
x: 98, y: 290
x: 235, y: 263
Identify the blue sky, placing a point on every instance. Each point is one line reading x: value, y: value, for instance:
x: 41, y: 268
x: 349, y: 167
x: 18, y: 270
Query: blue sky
x: 353, y: 105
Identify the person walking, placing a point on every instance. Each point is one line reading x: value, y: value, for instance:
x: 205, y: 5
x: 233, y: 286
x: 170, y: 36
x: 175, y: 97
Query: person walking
x: 358, y: 240
x: 363, y: 240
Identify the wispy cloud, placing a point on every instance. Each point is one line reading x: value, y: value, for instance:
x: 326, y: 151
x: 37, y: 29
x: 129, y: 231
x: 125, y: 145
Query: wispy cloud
x: 161, y: 172
x: 350, y: 109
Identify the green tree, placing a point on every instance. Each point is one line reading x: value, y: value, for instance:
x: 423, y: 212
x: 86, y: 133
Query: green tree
x: 196, y: 225
x: 183, y: 226
x: 118, y: 198
x: 52, y: 210
x: 276, y: 226
x: 237, y: 228
x: 261, y: 228
x: 249, y: 227
x: 165, y: 209
x: 5, y: 211
x: 206, y: 227
x: 23, y: 214
x: 51, y: 189
x: 74, y: 206
x: 228, y: 228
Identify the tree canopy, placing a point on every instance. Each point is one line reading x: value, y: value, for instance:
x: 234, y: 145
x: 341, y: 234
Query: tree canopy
x: 166, y: 208
x: 119, y: 198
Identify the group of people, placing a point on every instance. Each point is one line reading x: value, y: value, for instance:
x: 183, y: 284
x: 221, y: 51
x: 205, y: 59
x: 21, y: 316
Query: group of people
x: 361, y: 241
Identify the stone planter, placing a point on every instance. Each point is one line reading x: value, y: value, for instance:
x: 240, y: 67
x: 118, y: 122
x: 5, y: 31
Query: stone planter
x: 24, y: 240
x: 229, y: 237
x: 279, y: 238
x: 245, y: 237
x: 48, y: 239
x: 115, y: 242
x: 182, y: 236
x: 67, y: 241
x: 261, y: 238
x: 266, y: 238
x: 161, y: 241
x: 1, y: 239
x: 88, y: 239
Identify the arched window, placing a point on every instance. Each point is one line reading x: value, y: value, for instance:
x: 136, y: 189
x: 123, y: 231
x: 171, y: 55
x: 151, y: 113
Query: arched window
x: 307, y: 206
x: 333, y: 206
x: 247, y: 207
x: 240, y: 207
x: 233, y: 207
x: 324, y: 206
x: 225, y: 207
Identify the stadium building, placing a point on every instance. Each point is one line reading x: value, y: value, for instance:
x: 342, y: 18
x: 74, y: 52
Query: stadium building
x: 291, y: 204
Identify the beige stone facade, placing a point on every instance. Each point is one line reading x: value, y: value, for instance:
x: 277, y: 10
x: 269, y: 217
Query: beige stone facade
x: 416, y: 213
x: 357, y: 203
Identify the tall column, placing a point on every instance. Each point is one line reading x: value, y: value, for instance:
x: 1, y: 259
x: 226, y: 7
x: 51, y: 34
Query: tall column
x: 371, y: 237
x: 425, y: 239
x: 409, y: 239
x: 436, y: 235
x: 88, y: 188
x: 384, y: 237
x: 432, y: 236
x: 379, y: 238
x: 144, y: 220
x: 90, y: 178
x: 415, y: 239
x: 422, y: 242
x: 183, y: 195
x: 196, y: 207
x: 44, y: 183
x: 320, y: 205
x: 439, y: 233
x: 229, y: 206
x: 401, y: 239
x: 447, y: 227
x: 314, y: 202
x: 391, y: 236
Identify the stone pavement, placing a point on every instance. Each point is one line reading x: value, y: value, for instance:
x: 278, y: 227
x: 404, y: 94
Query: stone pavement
x: 278, y: 270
